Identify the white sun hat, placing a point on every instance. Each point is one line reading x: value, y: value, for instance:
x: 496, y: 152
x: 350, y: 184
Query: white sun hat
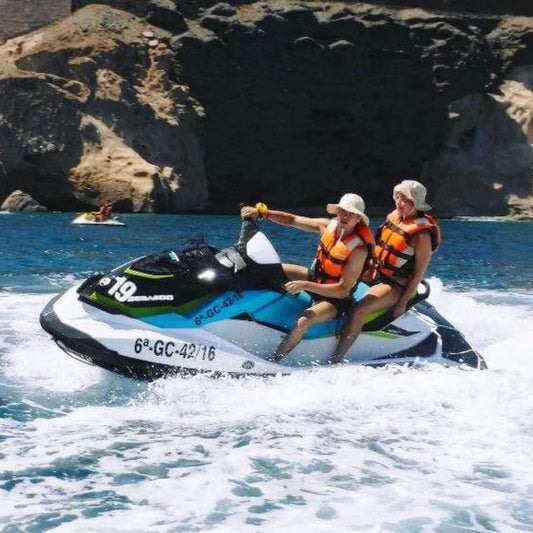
x: 414, y: 191
x: 350, y: 202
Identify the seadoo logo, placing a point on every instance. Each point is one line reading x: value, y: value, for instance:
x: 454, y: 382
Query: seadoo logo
x: 247, y: 365
x: 152, y: 298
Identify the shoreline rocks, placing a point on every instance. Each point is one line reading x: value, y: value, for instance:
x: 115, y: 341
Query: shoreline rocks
x: 20, y: 201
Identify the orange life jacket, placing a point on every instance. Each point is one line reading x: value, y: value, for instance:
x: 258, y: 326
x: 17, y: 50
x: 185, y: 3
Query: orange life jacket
x: 333, y: 253
x: 393, y: 254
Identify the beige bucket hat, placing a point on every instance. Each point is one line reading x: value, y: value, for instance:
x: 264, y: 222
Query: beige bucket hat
x: 415, y: 191
x: 350, y: 202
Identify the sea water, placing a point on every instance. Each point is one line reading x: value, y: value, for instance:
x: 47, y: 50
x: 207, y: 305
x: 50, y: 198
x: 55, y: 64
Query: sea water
x: 334, y: 449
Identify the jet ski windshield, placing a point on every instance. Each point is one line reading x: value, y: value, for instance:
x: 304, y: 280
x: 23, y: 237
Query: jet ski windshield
x: 253, y: 247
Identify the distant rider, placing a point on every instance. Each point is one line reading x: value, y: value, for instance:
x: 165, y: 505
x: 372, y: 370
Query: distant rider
x: 108, y: 211
x: 105, y: 212
x: 343, y: 250
x: 404, y: 244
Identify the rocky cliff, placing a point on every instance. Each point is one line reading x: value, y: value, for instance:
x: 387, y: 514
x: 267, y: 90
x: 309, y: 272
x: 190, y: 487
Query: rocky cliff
x: 289, y: 102
x: 90, y: 112
x: 21, y: 16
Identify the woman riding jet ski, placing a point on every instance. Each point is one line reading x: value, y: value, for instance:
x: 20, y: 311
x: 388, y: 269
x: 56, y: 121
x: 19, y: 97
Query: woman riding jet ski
x: 199, y: 309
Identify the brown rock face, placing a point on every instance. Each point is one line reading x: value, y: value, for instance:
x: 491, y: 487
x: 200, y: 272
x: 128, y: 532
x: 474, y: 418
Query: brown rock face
x: 297, y: 102
x: 21, y: 16
x: 89, y: 114
x: 20, y: 201
x: 316, y: 99
x: 486, y: 164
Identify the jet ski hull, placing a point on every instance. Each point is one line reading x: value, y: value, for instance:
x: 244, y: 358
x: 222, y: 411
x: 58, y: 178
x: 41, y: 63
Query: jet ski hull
x: 239, y: 347
x: 133, y: 349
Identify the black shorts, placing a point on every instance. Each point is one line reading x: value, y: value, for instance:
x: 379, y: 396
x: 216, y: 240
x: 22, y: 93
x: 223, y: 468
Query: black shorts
x: 341, y: 305
x: 380, y: 278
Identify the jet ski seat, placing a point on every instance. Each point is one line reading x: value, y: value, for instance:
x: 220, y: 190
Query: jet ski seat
x: 380, y: 319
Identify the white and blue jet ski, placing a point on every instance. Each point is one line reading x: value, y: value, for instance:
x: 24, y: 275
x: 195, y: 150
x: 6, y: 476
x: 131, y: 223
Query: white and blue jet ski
x: 200, y: 309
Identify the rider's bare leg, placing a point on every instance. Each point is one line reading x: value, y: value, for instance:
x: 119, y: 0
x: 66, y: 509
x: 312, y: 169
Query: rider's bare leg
x: 320, y: 312
x: 379, y: 297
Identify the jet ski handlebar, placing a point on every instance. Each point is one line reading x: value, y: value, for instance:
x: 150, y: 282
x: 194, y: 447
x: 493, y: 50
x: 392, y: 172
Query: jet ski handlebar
x: 248, y: 229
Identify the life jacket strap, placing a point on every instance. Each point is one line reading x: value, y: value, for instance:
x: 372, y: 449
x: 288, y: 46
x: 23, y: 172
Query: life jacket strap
x: 399, y: 272
x: 389, y: 248
x: 405, y: 234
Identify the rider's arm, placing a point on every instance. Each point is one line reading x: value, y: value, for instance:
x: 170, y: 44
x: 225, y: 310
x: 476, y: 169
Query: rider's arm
x: 422, y: 247
x: 350, y: 274
x: 297, y: 221
x: 288, y: 219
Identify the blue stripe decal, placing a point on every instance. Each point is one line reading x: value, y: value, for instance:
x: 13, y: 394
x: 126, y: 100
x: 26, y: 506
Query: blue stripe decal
x: 268, y: 307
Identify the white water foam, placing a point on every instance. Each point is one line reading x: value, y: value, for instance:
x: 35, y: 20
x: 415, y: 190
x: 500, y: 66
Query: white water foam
x: 498, y: 324
x: 345, y: 449
x: 33, y: 357
x: 483, y: 219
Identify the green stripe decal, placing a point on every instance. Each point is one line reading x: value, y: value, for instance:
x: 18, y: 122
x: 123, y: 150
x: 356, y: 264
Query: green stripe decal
x: 139, y: 274
x: 147, y: 311
x: 371, y: 316
x: 131, y: 311
x: 193, y: 305
x: 381, y: 334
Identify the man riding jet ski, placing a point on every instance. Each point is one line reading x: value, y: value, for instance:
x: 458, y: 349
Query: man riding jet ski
x: 199, y: 309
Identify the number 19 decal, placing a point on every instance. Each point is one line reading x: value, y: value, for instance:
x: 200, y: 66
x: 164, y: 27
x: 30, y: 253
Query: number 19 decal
x: 122, y: 289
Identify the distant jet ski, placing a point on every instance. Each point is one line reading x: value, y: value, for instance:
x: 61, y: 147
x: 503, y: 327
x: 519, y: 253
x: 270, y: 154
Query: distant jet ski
x: 200, y: 309
x: 90, y: 219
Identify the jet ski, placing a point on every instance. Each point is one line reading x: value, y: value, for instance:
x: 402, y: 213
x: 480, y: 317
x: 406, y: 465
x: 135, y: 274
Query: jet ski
x: 200, y: 309
x: 90, y: 219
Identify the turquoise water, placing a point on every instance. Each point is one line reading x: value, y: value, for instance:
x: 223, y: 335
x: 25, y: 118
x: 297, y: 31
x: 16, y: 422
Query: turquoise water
x: 340, y: 449
x: 38, y: 251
